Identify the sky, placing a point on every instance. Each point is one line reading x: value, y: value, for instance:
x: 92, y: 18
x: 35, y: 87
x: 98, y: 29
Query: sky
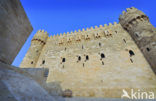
x: 59, y: 16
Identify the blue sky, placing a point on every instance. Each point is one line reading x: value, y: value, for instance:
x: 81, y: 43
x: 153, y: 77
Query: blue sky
x: 58, y: 16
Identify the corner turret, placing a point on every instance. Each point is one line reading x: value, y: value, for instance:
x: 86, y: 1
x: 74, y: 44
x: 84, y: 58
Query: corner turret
x: 37, y: 43
x: 137, y: 24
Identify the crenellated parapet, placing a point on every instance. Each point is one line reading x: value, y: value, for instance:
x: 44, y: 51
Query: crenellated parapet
x: 41, y: 37
x: 87, y: 34
x: 131, y: 17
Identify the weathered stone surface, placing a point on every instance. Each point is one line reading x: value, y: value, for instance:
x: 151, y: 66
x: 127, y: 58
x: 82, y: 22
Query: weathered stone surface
x: 14, y: 29
x: 5, y: 94
x: 19, y: 86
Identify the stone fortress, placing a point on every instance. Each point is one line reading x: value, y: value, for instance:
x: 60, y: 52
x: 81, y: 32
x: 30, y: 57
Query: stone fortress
x: 99, y: 61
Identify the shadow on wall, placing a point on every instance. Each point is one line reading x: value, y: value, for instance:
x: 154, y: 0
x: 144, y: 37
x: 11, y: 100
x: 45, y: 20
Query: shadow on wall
x: 55, y: 89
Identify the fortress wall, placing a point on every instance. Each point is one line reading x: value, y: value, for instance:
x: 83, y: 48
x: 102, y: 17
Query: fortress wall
x: 15, y: 28
x: 97, y: 77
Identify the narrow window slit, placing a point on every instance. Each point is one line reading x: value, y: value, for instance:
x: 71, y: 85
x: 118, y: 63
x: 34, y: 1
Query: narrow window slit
x: 124, y: 40
x: 100, y: 44
x: 83, y: 64
x: 63, y: 66
x: 43, y: 62
x: 131, y: 60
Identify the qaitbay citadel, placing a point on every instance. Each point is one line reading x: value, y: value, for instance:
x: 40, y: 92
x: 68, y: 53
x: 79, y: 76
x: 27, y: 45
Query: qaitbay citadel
x: 99, y: 61
x: 107, y: 62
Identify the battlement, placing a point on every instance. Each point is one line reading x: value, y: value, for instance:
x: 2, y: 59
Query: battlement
x: 131, y: 17
x: 128, y: 10
x: 41, y: 36
x: 84, y: 34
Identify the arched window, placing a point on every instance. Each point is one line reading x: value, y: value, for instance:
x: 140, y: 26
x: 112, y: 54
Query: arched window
x: 63, y: 59
x: 79, y: 58
x: 102, y: 55
x: 131, y: 53
x: 87, y: 57
x: 31, y: 62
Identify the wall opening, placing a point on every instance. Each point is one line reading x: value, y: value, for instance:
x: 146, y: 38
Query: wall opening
x: 116, y: 32
x: 102, y: 63
x: 102, y: 55
x: 32, y: 62
x: 124, y: 40
x: 87, y: 57
x: 99, y: 44
x: 147, y: 49
x: 131, y: 53
x: 131, y: 60
x: 63, y: 59
x: 82, y: 47
x: 43, y: 62
x: 137, y: 35
x: 65, y: 48
x: 79, y: 58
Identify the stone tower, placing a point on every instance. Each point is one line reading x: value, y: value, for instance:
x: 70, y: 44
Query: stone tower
x: 137, y: 24
x: 35, y: 49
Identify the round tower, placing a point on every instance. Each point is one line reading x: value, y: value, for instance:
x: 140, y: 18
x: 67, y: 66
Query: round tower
x: 37, y: 43
x: 137, y: 24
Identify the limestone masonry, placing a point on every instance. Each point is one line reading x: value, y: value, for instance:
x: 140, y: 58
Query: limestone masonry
x: 99, y: 61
